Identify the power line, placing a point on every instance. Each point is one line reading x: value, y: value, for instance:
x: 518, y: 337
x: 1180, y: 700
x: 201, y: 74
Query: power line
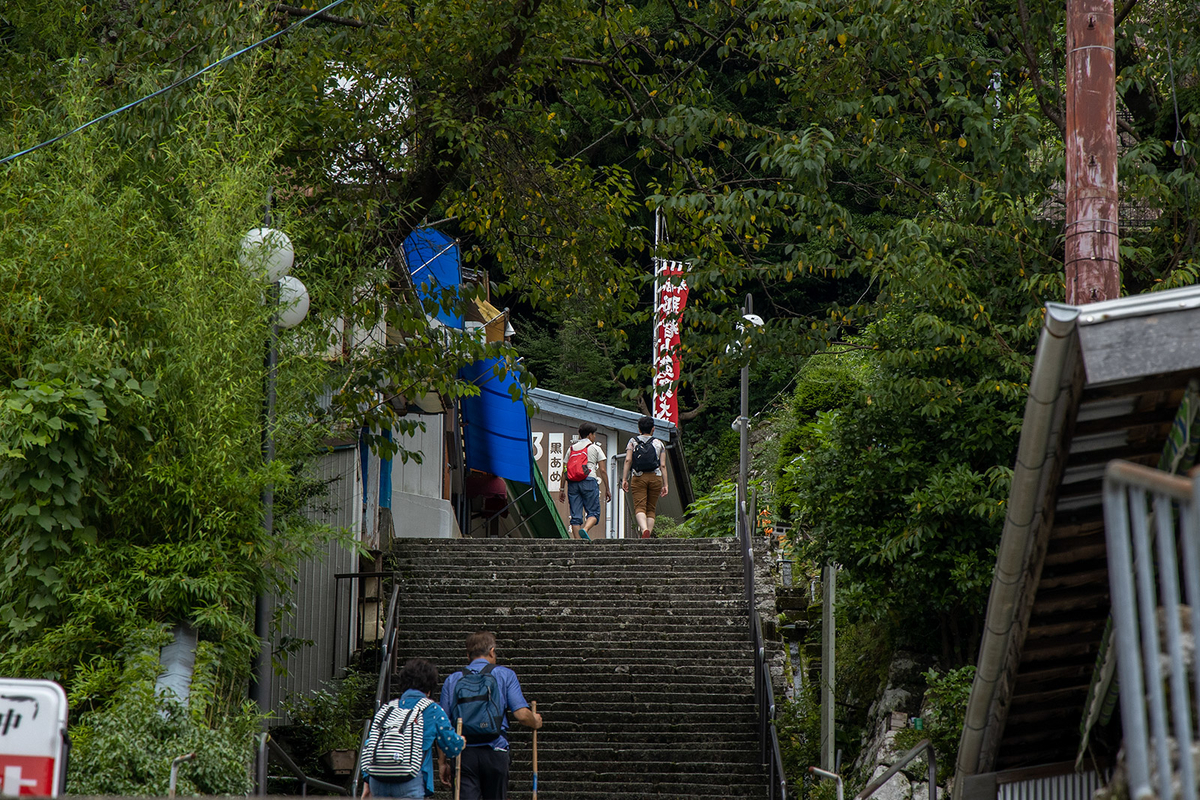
x: 175, y: 85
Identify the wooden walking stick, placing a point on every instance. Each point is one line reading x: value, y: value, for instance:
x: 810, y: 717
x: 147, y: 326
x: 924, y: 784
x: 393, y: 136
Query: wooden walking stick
x: 534, y: 709
x: 458, y: 763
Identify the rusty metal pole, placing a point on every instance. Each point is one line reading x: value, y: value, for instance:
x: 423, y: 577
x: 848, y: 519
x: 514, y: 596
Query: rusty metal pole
x: 1092, y: 266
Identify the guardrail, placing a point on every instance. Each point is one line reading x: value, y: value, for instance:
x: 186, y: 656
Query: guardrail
x: 267, y: 747
x: 878, y: 783
x: 1152, y: 525
x: 764, y: 691
x: 904, y: 760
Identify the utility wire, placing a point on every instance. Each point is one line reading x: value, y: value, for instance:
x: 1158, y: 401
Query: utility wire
x: 175, y: 85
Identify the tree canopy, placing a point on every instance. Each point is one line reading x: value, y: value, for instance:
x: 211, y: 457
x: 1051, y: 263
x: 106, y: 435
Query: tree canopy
x: 884, y: 175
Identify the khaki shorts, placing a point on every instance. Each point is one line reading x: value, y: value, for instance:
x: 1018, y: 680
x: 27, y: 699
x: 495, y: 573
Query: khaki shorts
x: 646, y: 489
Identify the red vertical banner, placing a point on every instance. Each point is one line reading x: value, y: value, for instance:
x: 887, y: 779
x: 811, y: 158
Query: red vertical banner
x: 670, y: 297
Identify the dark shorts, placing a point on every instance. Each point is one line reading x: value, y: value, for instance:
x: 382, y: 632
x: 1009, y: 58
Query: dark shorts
x: 584, y: 498
x: 484, y: 774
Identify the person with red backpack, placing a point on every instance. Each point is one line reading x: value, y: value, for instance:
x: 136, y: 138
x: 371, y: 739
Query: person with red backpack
x: 585, y: 472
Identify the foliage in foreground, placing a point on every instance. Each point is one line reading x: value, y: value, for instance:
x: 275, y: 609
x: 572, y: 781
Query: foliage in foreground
x: 126, y: 748
x: 130, y: 403
x: 330, y: 719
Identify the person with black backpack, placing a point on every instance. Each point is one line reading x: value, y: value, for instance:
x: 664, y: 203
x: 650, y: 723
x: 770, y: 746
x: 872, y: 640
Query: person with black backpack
x: 397, y: 757
x: 480, y: 696
x: 646, y: 458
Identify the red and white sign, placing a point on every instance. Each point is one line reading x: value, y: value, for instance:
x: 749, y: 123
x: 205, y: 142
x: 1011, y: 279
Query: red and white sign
x: 33, y: 726
x: 670, y: 297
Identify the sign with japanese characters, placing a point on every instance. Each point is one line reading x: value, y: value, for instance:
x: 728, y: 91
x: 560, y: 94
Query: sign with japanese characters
x: 670, y: 297
x: 33, y: 723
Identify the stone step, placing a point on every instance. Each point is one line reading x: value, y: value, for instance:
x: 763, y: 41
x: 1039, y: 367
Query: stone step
x: 617, y: 783
x: 421, y: 607
x: 670, y: 671
x: 591, y: 642
x: 563, y: 589
x: 556, y: 622
x: 637, y: 652
x: 694, y: 768
x: 584, y: 578
x: 410, y: 544
x: 613, y: 561
x: 696, y: 723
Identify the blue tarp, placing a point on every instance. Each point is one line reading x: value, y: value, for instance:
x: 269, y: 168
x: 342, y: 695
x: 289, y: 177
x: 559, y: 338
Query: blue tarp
x: 433, y: 260
x: 496, y: 427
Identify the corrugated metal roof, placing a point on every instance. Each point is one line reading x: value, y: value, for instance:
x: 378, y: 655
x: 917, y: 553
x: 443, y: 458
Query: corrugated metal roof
x: 586, y: 410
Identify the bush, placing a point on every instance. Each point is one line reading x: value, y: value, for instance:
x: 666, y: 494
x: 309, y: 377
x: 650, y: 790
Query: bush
x: 944, y: 711
x: 329, y: 719
x: 127, y: 748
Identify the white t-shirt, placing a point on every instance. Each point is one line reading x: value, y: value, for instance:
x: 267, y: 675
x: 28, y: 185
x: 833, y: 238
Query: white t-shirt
x: 659, y: 447
x: 595, y: 457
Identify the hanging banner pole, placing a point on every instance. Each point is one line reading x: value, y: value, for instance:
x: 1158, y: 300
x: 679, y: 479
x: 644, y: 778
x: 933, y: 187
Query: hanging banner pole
x: 670, y: 298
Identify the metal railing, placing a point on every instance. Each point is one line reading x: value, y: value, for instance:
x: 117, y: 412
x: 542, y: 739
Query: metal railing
x: 267, y: 748
x: 904, y: 760
x: 764, y: 691
x: 383, y: 688
x: 1152, y: 525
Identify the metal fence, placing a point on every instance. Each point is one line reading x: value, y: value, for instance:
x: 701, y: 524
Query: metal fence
x: 1151, y: 523
x: 764, y: 691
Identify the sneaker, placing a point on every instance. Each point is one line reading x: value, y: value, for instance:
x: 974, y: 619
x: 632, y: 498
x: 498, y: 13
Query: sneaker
x: 645, y: 534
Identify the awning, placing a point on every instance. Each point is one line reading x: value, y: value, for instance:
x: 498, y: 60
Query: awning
x: 495, y: 423
x: 434, y: 264
x: 539, y: 515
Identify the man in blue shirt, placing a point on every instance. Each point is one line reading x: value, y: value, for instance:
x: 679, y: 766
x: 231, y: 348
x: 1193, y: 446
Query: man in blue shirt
x: 417, y: 680
x: 485, y: 764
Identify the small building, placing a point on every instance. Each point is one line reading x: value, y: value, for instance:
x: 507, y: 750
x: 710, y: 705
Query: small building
x: 555, y: 425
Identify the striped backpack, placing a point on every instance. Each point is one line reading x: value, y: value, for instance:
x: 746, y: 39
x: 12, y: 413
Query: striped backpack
x: 395, y: 742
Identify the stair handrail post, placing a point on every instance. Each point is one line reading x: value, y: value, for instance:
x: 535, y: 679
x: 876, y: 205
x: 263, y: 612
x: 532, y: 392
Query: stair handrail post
x: 828, y: 667
x: 744, y: 417
x: 175, y: 764
x: 833, y: 776
x: 260, y: 766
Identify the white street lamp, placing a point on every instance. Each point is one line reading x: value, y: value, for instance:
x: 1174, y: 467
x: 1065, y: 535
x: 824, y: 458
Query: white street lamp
x: 293, y: 301
x: 267, y: 254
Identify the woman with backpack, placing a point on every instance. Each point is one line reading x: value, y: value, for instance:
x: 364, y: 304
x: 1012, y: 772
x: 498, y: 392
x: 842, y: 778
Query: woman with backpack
x: 646, y: 458
x: 397, y: 756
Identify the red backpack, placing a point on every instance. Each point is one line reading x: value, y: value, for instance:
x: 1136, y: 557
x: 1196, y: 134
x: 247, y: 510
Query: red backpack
x: 577, y: 463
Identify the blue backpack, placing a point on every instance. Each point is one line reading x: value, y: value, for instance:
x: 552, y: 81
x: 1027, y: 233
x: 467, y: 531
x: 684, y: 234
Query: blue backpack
x: 478, y: 702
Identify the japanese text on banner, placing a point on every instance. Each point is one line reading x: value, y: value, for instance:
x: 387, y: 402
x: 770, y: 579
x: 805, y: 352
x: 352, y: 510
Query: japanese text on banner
x: 670, y: 298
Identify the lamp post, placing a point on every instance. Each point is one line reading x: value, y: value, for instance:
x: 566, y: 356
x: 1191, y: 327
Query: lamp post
x: 267, y: 255
x: 742, y: 425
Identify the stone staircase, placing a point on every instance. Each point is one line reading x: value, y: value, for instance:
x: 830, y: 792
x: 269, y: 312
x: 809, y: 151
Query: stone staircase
x: 637, y: 653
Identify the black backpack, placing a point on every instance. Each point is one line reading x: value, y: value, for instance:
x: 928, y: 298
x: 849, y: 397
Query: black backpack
x: 645, y: 455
